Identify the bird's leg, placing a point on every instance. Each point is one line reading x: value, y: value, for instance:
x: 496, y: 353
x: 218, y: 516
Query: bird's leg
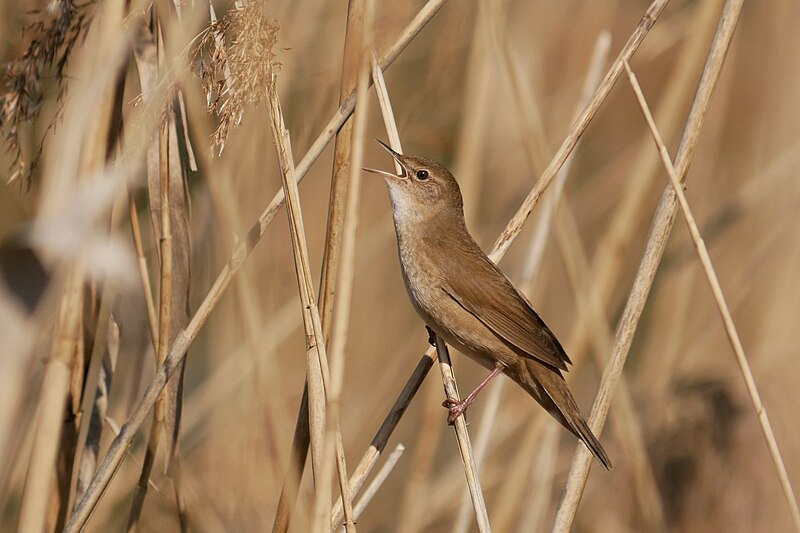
x: 456, y: 409
x: 431, y: 336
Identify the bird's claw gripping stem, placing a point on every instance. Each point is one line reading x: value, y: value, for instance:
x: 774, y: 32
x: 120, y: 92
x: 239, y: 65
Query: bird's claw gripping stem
x: 454, y: 409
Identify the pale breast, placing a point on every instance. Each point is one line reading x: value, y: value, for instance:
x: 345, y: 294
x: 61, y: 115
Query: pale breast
x: 420, y: 277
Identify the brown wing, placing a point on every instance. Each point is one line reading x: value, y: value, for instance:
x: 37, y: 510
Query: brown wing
x: 491, y: 298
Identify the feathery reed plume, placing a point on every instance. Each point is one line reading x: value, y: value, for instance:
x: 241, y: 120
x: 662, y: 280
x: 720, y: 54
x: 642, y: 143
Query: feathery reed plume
x: 234, y: 60
x: 54, y: 33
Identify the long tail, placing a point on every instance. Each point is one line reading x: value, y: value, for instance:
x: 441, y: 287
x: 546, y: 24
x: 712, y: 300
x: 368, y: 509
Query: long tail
x: 587, y: 437
x: 561, y: 405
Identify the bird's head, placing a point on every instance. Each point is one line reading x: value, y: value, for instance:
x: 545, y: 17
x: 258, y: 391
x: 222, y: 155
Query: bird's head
x: 423, y: 185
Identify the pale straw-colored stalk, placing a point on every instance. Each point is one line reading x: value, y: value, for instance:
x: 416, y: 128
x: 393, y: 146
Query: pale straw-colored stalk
x: 318, y: 389
x: 627, y: 427
x: 333, y: 238
x: 377, y: 482
x: 144, y: 274
x: 61, y: 368
x: 346, y: 274
x: 722, y: 305
x: 654, y: 249
x: 462, y: 437
x: 448, y: 378
x: 576, y: 131
x: 607, y: 267
x: 164, y: 325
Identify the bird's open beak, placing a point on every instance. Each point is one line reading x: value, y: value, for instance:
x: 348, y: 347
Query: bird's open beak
x: 396, y: 157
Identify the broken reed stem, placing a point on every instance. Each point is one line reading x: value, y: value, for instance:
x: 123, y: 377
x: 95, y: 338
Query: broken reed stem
x: 379, y: 479
x: 645, y: 275
x: 99, y: 366
x: 99, y: 404
x: 386, y: 112
x: 724, y: 310
x: 387, y: 427
x: 119, y: 446
x: 576, y: 131
x: 462, y: 436
x: 417, y: 492
x: 185, y: 337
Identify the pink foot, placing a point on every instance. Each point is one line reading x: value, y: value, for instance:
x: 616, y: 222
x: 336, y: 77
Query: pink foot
x: 454, y: 409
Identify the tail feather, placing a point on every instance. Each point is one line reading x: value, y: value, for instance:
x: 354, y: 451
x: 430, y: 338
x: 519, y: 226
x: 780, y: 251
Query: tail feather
x: 558, y: 401
x: 587, y: 437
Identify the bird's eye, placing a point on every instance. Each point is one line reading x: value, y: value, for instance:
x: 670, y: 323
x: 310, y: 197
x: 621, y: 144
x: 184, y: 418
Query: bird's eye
x: 422, y: 174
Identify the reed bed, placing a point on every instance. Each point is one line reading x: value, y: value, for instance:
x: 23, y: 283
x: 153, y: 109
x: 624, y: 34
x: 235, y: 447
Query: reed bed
x: 151, y: 148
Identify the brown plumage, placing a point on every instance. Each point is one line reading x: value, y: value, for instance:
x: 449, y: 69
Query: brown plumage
x: 464, y: 298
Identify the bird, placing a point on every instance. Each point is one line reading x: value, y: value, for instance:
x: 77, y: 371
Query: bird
x: 464, y: 298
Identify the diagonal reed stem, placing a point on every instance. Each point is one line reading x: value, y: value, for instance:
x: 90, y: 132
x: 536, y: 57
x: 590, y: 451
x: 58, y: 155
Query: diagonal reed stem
x: 725, y: 313
x: 379, y: 479
x: 645, y: 275
x: 578, y: 128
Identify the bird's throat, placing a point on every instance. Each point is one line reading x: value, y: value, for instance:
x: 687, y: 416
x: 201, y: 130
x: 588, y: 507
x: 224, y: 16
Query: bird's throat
x: 408, y: 215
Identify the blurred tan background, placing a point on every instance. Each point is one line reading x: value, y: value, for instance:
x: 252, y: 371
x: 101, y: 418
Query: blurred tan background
x: 706, y: 467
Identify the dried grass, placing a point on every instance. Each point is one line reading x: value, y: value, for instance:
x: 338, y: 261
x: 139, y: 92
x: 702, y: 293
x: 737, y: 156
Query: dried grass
x: 487, y: 90
x: 53, y: 34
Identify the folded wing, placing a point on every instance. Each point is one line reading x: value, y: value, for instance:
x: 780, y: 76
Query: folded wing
x: 503, y: 309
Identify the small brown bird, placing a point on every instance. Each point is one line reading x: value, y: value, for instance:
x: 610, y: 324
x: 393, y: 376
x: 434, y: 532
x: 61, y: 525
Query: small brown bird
x: 465, y: 299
